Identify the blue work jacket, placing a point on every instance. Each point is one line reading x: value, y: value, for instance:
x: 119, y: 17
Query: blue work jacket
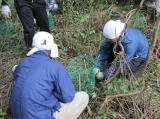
x: 134, y: 42
x: 39, y: 87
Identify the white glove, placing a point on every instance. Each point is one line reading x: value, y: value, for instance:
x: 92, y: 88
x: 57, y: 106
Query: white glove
x: 6, y: 12
x: 52, y: 6
x: 96, y: 70
x: 100, y: 75
x: 14, y: 67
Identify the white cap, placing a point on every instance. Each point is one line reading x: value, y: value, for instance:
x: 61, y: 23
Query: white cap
x: 43, y: 41
x: 112, y: 29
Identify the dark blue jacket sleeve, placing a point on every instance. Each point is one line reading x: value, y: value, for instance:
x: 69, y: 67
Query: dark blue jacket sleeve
x: 130, y: 51
x: 65, y: 90
x: 103, y: 54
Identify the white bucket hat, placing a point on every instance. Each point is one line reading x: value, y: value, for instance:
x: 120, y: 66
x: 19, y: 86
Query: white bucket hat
x: 112, y: 29
x: 43, y: 41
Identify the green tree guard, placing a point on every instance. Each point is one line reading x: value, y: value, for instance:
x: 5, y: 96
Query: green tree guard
x: 51, y: 21
x: 6, y: 28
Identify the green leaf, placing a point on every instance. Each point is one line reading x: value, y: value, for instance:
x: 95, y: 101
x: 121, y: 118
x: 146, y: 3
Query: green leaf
x: 124, y: 88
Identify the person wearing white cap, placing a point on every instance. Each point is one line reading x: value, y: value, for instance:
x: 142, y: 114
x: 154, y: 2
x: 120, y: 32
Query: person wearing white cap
x: 135, y: 46
x: 33, y: 12
x: 42, y: 88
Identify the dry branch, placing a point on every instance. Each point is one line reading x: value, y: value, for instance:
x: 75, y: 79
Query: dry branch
x: 133, y: 12
x: 111, y: 97
x: 155, y: 38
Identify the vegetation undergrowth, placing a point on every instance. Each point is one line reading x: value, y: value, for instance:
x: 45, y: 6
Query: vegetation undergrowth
x: 78, y: 31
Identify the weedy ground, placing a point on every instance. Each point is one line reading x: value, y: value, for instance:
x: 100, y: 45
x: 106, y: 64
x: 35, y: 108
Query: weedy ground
x: 78, y: 31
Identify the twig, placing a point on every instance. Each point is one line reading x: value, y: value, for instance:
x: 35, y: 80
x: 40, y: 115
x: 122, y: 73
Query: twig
x: 137, y: 108
x: 155, y: 112
x: 7, y: 93
x: 155, y: 38
x: 120, y: 115
x: 79, y: 81
x: 133, y: 12
x: 110, y: 97
x: 89, y: 111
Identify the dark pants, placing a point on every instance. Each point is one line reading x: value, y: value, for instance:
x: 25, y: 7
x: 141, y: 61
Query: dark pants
x: 137, y: 66
x: 27, y: 13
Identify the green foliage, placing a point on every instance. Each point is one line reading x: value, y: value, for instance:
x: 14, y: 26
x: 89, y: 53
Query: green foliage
x: 139, y: 21
x: 78, y: 27
x: 124, y: 85
x: 118, y: 85
x: 157, y: 115
x: 106, y: 115
x: 11, y: 42
x: 2, y: 114
x: 6, y: 28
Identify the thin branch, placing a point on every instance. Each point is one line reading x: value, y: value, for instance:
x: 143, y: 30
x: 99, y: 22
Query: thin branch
x: 110, y: 97
x: 155, y: 38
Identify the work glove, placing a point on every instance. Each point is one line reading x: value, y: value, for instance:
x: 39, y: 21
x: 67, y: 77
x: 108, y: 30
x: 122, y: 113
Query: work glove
x: 100, y: 76
x: 98, y: 73
x: 96, y: 70
x: 6, y: 12
x: 52, y: 5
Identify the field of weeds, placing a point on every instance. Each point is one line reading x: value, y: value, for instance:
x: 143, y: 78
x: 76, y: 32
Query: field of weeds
x: 78, y: 31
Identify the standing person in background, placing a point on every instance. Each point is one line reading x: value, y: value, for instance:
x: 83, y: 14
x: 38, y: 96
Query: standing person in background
x: 42, y: 88
x: 5, y: 10
x: 28, y: 10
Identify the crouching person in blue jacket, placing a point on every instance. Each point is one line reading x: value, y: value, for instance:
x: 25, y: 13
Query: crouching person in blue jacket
x: 135, y: 46
x: 42, y: 88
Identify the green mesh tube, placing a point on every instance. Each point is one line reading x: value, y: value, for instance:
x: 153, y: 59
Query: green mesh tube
x: 81, y: 71
x: 6, y: 28
x: 51, y: 21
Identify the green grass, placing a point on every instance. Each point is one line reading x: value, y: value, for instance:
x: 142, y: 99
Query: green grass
x: 77, y: 32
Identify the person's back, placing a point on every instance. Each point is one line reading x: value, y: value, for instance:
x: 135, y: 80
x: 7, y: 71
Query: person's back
x: 43, y: 88
x: 135, y: 44
x: 34, y: 90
